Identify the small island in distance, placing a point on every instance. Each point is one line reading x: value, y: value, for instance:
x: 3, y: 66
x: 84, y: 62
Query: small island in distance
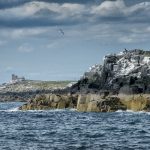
x: 20, y: 89
x: 122, y: 82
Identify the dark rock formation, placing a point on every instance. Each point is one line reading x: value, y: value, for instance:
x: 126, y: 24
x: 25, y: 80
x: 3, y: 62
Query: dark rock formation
x: 121, y: 83
x: 127, y: 72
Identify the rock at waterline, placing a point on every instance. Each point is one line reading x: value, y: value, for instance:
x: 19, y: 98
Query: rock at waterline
x: 121, y: 83
x: 89, y: 103
x: 51, y: 101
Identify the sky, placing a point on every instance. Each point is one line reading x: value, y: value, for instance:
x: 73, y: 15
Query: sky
x: 61, y: 39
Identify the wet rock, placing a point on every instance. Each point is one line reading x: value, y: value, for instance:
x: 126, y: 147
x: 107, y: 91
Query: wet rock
x: 51, y: 101
x: 136, y: 102
x: 95, y: 103
x: 111, y: 104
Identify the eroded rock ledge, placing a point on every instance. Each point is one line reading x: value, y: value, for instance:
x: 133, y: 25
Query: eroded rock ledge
x: 89, y: 102
x: 51, y: 101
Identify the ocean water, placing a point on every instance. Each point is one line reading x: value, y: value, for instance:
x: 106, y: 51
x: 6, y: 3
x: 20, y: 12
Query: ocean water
x: 72, y: 130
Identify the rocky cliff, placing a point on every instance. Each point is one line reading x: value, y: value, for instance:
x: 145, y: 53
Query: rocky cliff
x: 121, y: 83
x: 125, y: 73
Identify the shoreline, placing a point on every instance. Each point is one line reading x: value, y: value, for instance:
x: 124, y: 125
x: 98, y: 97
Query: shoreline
x: 89, y: 102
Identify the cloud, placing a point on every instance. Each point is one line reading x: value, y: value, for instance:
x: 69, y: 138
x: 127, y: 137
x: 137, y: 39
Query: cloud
x: 109, y: 8
x: 42, y: 19
x: 118, y: 11
x: 9, y: 69
x: 52, y: 45
x: 11, y: 3
x: 41, y: 14
x: 128, y: 39
x: 44, y: 13
x: 17, y: 33
x: 25, y: 48
x: 134, y: 33
x: 14, y: 3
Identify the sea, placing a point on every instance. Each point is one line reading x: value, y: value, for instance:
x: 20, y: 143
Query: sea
x: 68, y: 129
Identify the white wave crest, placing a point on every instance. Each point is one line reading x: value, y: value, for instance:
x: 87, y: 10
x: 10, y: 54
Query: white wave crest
x: 10, y: 110
x: 73, y: 109
x: 131, y: 111
x: 50, y: 110
x: 120, y: 111
x: 13, y: 109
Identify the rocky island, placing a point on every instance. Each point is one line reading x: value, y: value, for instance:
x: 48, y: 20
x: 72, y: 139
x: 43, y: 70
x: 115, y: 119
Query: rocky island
x: 122, y: 82
x: 21, y: 89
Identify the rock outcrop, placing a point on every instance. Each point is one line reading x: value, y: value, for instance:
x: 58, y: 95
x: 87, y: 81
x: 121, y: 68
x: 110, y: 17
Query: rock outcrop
x: 136, y: 102
x: 127, y: 72
x: 51, y: 101
x: 121, y: 83
x: 95, y: 103
x: 89, y: 102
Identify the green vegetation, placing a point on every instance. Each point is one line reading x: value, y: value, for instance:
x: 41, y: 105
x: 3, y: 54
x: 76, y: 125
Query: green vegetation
x: 51, y: 84
x: 31, y: 85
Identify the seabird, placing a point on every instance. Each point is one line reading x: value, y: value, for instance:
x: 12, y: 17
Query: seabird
x: 61, y: 31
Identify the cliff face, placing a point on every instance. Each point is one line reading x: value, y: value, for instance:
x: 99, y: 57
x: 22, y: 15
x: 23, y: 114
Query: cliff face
x: 127, y: 72
x: 89, y: 102
x: 121, y: 83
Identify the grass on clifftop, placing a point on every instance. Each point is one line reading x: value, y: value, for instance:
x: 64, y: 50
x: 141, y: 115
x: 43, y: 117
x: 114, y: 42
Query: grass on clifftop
x: 52, y: 84
x: 30, y: 85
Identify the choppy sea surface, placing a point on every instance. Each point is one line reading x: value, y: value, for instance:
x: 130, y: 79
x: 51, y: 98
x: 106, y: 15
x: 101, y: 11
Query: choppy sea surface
x: 72, y: 130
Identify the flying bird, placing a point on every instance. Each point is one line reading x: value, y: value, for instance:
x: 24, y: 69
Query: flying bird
x: 61, y: 31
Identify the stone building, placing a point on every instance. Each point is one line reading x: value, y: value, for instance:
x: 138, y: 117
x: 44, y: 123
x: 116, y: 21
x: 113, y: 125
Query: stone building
x: 16, y: 79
